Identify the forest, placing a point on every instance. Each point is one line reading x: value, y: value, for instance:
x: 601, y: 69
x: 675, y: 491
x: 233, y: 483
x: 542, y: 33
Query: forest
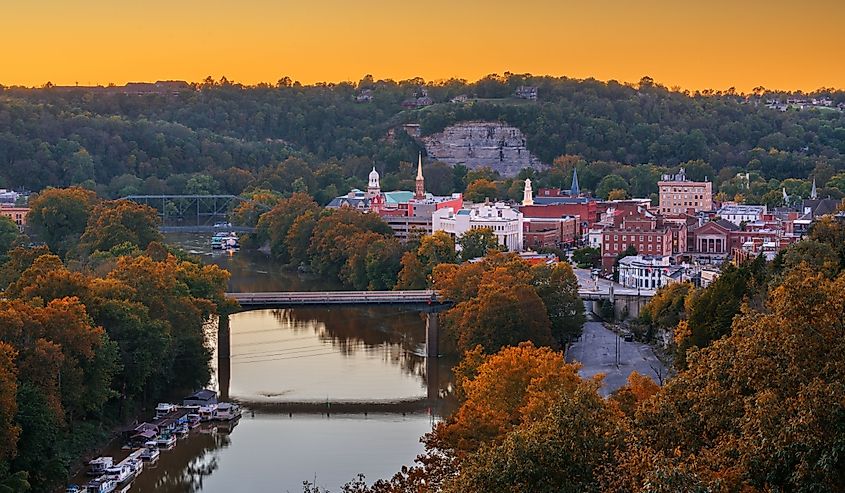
x: 102, y: 320
x: 224, y: 137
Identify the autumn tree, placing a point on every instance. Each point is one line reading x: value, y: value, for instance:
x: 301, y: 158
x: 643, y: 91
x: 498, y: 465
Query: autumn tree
x: 417, y: 266
x: 758, y: 410
x: 666, y: 308
x: 116, y: 222
x: 59, y: 216
x: 528, y: 423
x: 711, y: 311
x: 480, y: 190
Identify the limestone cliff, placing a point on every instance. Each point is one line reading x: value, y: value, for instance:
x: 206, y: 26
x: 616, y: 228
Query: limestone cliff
x: 478, y: 144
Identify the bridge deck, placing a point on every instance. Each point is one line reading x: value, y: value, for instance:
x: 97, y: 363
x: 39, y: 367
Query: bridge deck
x: 297, y: 298
x: 293, y: 298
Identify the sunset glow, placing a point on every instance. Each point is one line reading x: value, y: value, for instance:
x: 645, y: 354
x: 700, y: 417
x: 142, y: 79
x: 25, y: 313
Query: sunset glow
x: 692, y: 44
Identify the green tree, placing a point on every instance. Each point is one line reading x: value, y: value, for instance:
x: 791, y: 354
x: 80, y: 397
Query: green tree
x: 59, y: 216
x: 611, y: 183
x: 557, y: 286
x: 8, y: 234
x: 477, y: 242
x: 586, y: 257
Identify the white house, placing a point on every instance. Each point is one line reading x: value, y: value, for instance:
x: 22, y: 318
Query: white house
x: 647, y: 272
x: 505, y: 222
x: 738, y: 213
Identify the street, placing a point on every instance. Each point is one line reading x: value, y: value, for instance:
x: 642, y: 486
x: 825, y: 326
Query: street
x: 596, y: 351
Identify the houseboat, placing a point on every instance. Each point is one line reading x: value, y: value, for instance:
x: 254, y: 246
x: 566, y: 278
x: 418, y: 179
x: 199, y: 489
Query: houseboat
x: 121, y: 473
x: 224, y: 240
x: 166, y: 441
x: 163, y: 409
x: 150, y: 452
x: 227, y: 411
x: 98, y: 466
x: 194, y: 420
x: 103, y: 484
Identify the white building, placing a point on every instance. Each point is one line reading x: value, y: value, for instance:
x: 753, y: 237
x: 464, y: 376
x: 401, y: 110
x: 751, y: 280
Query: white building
x: 505, y: 222
x: 737, y: 213
x: 647, y: 272
x: 8, y: 196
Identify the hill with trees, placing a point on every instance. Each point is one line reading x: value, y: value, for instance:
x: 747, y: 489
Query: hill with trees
x: 225, y: 137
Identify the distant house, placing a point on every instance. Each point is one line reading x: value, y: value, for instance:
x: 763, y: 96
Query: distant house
x: 459, y: 99
x: 420, y: 100
x: 526, y: 92
x: 364, y: 96
x: 201, y: 398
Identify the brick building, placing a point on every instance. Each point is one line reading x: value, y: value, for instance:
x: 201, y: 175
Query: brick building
x: 679, y: 195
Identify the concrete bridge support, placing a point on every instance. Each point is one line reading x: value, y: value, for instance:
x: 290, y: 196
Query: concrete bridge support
x: 432, y: 335
x: 224, y: 356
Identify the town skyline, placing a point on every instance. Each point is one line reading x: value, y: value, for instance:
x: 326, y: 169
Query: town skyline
x: 691, y: 46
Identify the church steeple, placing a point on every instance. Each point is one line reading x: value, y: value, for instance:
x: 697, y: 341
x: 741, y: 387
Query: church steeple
x: 373, y: 187
x: 813, y: 194
x: 574, y: 190
x: 527, y: 193
x: 420, y: 182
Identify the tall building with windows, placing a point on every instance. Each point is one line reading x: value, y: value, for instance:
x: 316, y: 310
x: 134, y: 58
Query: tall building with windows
x: 678, y: 195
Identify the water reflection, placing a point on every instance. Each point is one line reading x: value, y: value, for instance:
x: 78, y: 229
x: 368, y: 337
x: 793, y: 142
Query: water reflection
x: 330, y: 354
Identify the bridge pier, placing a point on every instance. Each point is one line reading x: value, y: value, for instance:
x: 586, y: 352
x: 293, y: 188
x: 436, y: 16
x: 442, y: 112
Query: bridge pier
x: 224, y: 356
x: 432, y: 335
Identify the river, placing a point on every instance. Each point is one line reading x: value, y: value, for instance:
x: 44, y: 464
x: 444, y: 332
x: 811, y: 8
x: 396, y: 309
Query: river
x: 329, y: 392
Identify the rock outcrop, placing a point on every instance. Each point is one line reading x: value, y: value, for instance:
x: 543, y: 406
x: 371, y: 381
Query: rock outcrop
x: 477, y: 144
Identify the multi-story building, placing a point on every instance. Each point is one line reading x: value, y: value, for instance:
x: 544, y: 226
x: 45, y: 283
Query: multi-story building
x: 16, y: 214
x: 505, y: 222
x: 679, y: 195
x: 640, y: 229
x: 550, y: 232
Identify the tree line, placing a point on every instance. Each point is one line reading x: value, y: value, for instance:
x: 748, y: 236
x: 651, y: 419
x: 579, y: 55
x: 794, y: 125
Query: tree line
x: 226, y: 137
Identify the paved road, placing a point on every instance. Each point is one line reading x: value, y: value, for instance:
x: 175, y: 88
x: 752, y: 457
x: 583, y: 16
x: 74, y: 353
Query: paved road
x: 596, y: 351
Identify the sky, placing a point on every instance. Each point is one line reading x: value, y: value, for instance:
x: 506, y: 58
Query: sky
x: 692, y: 44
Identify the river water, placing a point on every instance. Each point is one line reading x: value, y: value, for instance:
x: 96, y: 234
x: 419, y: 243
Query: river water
x: 329, y: 392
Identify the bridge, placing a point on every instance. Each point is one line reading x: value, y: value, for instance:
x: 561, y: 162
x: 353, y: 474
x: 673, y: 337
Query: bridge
x: 293, y: 298
x: 205, y: 209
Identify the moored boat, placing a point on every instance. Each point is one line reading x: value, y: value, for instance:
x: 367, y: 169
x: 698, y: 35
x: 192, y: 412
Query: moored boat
x: 150, y: 453
x: 166, y: 441
x: 227, y: 411
x: 103, y: 484
x: 121, y: 473
x: 98, y: 466
x: 163, y: 409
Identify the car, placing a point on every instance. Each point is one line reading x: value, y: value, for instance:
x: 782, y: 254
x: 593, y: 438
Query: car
x: 628, y: 337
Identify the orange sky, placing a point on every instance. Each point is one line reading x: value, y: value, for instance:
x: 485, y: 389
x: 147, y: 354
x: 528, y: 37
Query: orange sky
x: 692, y: 44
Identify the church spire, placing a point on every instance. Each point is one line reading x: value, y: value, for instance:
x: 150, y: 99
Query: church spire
x: 813, y: 194
x: 574, y: 190
x: 420, y: 183
x: 527, y: 193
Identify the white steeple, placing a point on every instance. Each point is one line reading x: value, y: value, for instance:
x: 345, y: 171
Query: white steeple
x: 373, y: 187
x: 813, y: 194
x: 527, y: 193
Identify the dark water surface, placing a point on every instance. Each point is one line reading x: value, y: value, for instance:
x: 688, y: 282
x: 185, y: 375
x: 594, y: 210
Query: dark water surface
x: 353, y: 380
